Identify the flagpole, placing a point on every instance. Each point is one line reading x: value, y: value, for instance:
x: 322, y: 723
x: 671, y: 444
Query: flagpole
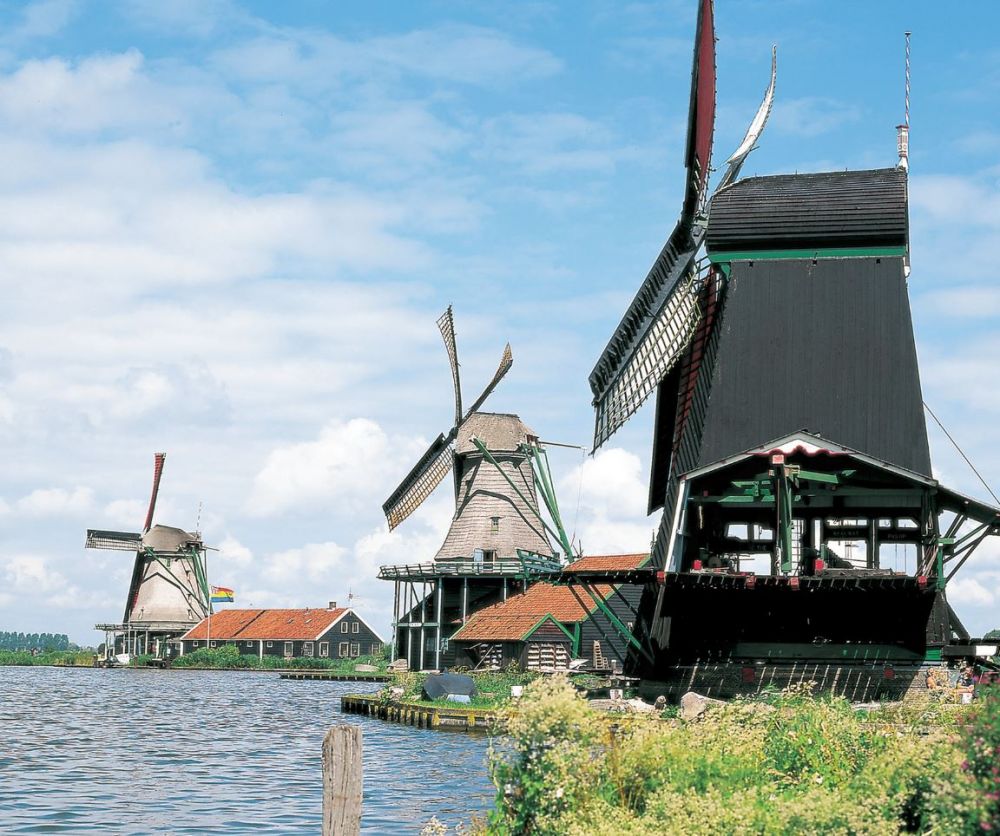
x: 208, y: 641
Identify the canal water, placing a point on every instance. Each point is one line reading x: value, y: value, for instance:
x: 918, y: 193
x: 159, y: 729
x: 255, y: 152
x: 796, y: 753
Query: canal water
x: 147, y: 751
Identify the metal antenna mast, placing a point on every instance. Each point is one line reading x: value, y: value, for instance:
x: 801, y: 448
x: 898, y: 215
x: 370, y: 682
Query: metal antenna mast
x: 903, y: 131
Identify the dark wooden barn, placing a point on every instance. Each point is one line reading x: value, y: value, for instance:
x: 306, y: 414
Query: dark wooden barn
x: 331, y: 633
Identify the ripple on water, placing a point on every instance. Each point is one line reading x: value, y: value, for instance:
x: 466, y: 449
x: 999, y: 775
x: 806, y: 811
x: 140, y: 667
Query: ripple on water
x: 127, y: 751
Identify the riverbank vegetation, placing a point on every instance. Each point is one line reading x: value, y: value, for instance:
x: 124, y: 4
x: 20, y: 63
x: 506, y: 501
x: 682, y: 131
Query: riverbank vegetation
x: 228, y: 657
x: 786, y: 763
x: 68, y: 658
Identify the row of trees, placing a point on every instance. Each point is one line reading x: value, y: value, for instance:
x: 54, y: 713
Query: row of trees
x: 35, y: 641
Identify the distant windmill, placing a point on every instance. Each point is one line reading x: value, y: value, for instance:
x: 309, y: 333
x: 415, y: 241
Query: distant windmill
x: 169, y: 591
x: 492, y: 515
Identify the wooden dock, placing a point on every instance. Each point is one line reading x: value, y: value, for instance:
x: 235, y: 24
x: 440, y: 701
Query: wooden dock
x: 337, y: 677
x: 421, y: 715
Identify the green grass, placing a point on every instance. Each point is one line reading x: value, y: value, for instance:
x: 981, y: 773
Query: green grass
x: 69, y: 658
x: 788, y: 764
x: 228, y: 657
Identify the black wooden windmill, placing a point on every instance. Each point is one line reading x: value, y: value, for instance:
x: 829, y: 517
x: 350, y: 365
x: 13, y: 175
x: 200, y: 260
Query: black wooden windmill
x: 775, y: 329
x: 168, y: 593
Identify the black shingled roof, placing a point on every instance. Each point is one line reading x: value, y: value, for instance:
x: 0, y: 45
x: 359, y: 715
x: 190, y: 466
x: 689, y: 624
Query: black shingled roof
x: 810, y: 211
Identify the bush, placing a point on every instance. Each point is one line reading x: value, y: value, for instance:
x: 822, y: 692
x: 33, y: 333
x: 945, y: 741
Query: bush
x: 786, y: 764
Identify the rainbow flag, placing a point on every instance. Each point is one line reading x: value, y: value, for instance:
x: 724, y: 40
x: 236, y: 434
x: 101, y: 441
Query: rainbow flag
x: 222, y: 595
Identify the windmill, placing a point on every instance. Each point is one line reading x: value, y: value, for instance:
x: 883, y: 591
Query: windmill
x: 497, y: 538
x: 494, y: 504
x: 775, y: 329
x: 168, y: 593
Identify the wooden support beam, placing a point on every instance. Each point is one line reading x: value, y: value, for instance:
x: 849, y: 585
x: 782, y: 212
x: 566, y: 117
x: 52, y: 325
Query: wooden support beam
x: 342, y: 781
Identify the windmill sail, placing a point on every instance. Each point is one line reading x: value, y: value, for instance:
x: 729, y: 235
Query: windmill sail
x: 446, y: 324
x: 659, y: 324
x: 506, y: 361
x: 158, y: 460
x: 662, y: 317
x: 420, y: 483
x: 124, y: 541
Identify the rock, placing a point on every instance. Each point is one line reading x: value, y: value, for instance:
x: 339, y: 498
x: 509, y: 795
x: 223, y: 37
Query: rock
x: 695, y: 705
x: 365, y: 668
x: 396, y: 692
x: 661, y: 703
x: 639, y: 706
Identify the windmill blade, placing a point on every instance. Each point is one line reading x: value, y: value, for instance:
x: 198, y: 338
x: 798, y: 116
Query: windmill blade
x: 658, y: 323
x: 655, y: 352
x: 158, y: 460
x: 735, y: 162
x: 432, y: 467
x: 506, y: 361
x: 655, y: 330
x: 701, y: 112
x: 446, y: 325
x: 122, y: 541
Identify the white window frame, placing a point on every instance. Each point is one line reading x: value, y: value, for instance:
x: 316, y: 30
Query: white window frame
x: 307, y: 649
x: 377, y: 646
x: 324, y: 650
x: 344, y: 650
x: 289, y: 650
x: 196, y: 644
x: 355, y: 649
x: 248, y: 644
x: 355, y: 627
x: 214, y: 644
x: 270, y: 644
x: 344, y: 627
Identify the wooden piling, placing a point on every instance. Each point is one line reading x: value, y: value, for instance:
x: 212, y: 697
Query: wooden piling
x: 342, y: 781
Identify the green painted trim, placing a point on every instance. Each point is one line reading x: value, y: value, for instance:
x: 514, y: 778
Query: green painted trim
x: 541, y: 621
x: 933, y: 654
x: 827, y: 252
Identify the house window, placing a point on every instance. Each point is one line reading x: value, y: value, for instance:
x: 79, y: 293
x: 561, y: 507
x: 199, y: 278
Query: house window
x: 494, y: 525
x: 270, y: 644
x: 344, y: 628
x: 377, y: 646
x: 307, y: 649
x: 324, y: 649
x: 248, y: 644
x: 195, y: 644
x: 355, y: 649
x: 343, y: 649
x: 288, y: 650
x: 489, y: 555
x: 355, y: 626
x: 213, y: 644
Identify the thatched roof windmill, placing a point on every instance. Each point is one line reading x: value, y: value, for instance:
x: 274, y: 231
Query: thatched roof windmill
x: 169, y: 591
x: 492, y: 495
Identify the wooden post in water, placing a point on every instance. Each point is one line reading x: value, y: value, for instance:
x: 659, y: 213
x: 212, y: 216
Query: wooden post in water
x: 342, y: 781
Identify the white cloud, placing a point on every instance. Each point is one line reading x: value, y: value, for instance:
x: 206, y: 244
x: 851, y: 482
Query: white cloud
x: 54, y: 502
x: 348, y: 465
x: 233, y: 553
x: 305, y: 567
x: 44, y: 18
x: 970, y: 591
x: 613, y: 492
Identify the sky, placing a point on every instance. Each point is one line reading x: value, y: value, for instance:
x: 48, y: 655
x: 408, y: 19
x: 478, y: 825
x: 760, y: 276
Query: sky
x: 227, y: 229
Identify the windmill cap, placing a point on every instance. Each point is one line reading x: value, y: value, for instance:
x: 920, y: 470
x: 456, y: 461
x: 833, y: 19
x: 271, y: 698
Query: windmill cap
x: 501, y: 432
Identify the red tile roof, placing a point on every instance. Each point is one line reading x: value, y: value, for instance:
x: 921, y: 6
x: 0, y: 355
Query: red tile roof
x: 281, y: 625
x: 510, y: 620
x: 608, y: 563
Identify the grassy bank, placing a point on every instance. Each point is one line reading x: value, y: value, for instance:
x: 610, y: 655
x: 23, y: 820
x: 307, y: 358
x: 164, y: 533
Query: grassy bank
x: 229, y: 657
x: 68, y: 658
x: 787, y: 764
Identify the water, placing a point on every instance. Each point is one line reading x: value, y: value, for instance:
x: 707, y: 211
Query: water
x: 147, y: 751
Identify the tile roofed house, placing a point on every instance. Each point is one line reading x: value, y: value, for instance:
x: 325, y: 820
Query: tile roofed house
x: 544, y: 627
x: 608, y: 563
x: 327, y: 633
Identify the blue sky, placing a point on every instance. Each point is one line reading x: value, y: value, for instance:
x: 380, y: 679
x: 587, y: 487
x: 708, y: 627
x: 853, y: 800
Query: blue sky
x: 226, y: 231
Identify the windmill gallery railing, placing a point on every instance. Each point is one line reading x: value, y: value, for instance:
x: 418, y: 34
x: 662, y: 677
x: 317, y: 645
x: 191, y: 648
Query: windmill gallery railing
x: 523, y: 566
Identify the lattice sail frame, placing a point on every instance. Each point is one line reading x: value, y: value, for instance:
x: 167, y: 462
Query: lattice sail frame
x: 420, y: 483
x: 446, y: 325
x: 655, y: 356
